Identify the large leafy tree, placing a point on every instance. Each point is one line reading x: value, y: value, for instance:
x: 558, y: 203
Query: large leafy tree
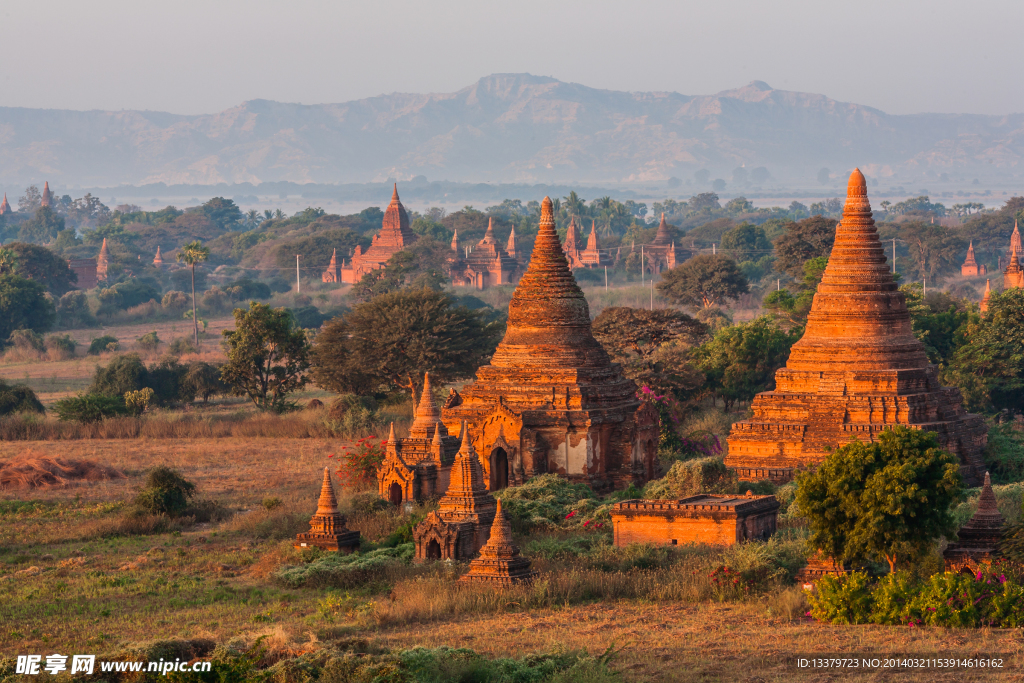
x: 43, y: 227
x: 423, y: 265
x: 192, y: 254
x: 741, y: 360
x: 652, y: 345
x: 268, y: 356
x: 924, y: 250
x: 23, y: 305
x: 223, y: 213
x: 386, y: 340
x: 41, y: 265
x: 989, y: 368
x: 750, y: 241
x: 886, y: 500
x: 703, y: 281
x: 794, y: 308
x: 803, y: 240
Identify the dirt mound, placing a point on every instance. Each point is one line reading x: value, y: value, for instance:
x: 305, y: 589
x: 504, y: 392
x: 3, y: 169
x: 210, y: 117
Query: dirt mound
x: 35, y: 472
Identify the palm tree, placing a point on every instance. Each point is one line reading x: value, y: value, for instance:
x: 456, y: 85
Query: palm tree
x: 191, y: 254
x: 252, y: 218
x: 575, y: 205
x: 268, y: 214
x: 278, y: 213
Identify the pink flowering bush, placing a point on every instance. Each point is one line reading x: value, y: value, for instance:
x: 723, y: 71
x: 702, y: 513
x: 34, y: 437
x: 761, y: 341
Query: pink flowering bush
x: 358, y: 464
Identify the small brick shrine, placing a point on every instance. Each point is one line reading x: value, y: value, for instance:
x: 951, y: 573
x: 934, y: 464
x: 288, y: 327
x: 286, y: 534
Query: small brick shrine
x: 500, y: 563
x: 857, y: 371
x: 327, y: 528
x: 551, y: 400
x: 977, y: 541
x: 418, y: 466
x: 462, y: 523
x: 705, y: 518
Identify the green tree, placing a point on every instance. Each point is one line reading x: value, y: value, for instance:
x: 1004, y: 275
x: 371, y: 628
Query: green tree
x: 222, y: 212
x: 191, y: 254
x: 885, y: 500
x: 652, y: 345
x: 746, y: 239
x: 386, y: 340
x: 18, y: 398
x: 41, y: 265
x: 803, y: 240
x: 740, y: 361
x: 989, y: 367
x: 8, y: 260
x: 703, y: 280
x: 23, y: 305
x: 267, y: 356
x: 43, y: 227
x: 422, y: 265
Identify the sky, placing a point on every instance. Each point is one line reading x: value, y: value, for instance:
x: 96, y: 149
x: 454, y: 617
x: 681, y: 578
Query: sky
x: 190, y: 57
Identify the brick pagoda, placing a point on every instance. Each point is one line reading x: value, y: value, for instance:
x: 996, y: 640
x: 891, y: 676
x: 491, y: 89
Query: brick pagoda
x: 661, y: 253
x: 487, y: 264
x: 977, y: 541
x: 327, y: 528
x: 970, y: 268
x: 500, y: 563
x: 394, y: 236
x: 462, y: 523
x: 551, y: 400
x: 705, y: 518
x: 418, y: 466
x: 333, y: 272
x: 5, y: 208
x: 588, y: 257
x: 858, y: 370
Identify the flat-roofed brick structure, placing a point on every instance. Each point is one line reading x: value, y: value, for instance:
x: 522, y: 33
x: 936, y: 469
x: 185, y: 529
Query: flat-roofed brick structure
x: 705, y: 518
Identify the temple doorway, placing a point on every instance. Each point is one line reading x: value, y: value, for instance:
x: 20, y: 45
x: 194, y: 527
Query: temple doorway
x: 395, y: 494
x: 499, y: 469
x: 434, y: 550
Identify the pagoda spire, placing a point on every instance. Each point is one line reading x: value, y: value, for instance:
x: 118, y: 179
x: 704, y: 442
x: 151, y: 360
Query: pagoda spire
x: 5, y: 208
x: 858, y: 318
x: 328, y: 503
x: 334, y: 259
x: 427, y: 419
x: 47, y: 195
x: 510, y: 248
x: 592, y: 239
x: 988, y: 295
x: 455, y: 241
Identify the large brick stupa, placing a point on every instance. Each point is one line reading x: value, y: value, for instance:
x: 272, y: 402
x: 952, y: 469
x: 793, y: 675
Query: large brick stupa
x: 857, y: 371
x: 551, y: 400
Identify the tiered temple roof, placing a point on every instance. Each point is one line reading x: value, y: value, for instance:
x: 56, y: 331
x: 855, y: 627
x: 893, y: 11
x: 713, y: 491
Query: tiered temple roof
x: 327, y: 528
x: 977, y: 541
x: 394, y: 236
x: 5, y: 208
x: 500, y: 563
x: 333, y: 272
x: 857, y: 371
x: 158, y: 260
x: 551, y: 400
x: 970, y: 268
x: 487, y: 264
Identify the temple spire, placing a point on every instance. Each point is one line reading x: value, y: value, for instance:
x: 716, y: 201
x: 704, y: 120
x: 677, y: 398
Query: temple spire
x: 394, y: 195
x: 47, y: 195
x: 328, y: 503
x: 510, y: 248
x: 427, y: 419
x: 5, y: 208
x: 334, y: 259
x: 592, y: 239
x: 455, y: 241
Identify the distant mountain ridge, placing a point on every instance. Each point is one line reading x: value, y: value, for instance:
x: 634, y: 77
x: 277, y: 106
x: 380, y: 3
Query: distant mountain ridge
x: 503, y: 128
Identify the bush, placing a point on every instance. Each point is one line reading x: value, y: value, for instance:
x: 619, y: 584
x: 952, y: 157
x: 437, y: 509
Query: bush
x: 844, y: 599
x: 1004, y: 454
x: 308, y: 317
x: 246, y: 288
x: 88, y: 408
x: 546, y: 500
x: 136, y: 402
x: 342, y: 571
x: 124, y: 373
x: 202, y: 380
x: 166, y: 492
x: 18, y: 399
x: 182, y: 345
x: 61, y: 346
x: 358, y: 464
x: 214, y: 299
x: 149, y: 341
x: 73, y: 311
x: 175, y: 301
x: 26, y: 340
x: 690, y: 477
x: 103, y: 344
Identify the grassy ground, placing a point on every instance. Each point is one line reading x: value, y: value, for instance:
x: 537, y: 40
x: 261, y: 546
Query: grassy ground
x: 106, y: 581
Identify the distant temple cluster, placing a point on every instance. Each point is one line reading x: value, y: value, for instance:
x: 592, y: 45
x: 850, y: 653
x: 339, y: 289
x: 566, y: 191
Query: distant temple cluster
x: 1010, y: 265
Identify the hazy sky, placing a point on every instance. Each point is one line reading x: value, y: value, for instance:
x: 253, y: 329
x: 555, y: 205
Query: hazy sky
x: 199, y: 57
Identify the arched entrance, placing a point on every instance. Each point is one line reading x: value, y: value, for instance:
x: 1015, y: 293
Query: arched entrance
x: 433, y: 550
x: 499, y: 469
x: 395, y: 494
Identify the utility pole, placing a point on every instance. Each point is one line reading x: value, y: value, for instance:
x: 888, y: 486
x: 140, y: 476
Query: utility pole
x: 713, y: 251
x: 642, y: 264
x: 893, y: 255
x: 606, y: 278
x: 778, y: 284
x: 298, y: 283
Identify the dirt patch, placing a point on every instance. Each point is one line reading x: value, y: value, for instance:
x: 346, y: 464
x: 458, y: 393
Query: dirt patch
x: 32, y: 471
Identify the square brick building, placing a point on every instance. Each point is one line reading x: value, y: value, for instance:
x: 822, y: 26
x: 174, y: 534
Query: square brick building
x: 705, y: 518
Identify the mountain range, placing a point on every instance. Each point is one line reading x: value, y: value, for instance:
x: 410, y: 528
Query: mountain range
x: 505, y: 128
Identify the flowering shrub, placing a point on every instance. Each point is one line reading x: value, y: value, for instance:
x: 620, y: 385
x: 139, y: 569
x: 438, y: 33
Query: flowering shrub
x: 988, y: 598
x: 358, y: 463
x: 729, y: 584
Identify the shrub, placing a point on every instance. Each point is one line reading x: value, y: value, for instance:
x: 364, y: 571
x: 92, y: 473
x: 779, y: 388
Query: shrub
x: 124, y: 373
x: 26, y: 340
x: 73, y: 311
x: 214, y: 299
x: 61, y: 346
x: 102, y: 344
x: 88, y: 408
x: 166, y: 492
x: 545, y: 501
x: 358, y: 464
x: 342, y: 571
x: 149, y: 341
x: 182, y: 345
x: 175, y: 301
x: 1004, y: 454
x: 167, y: 380
x: 690, y: 477
x: 136, y: 402
x: 18, y: 399
x: 246, y: 288
x: 202, y: 380
x: 844, y: 599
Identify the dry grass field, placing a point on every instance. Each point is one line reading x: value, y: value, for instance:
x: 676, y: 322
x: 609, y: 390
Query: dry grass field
x: 105, y: 581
